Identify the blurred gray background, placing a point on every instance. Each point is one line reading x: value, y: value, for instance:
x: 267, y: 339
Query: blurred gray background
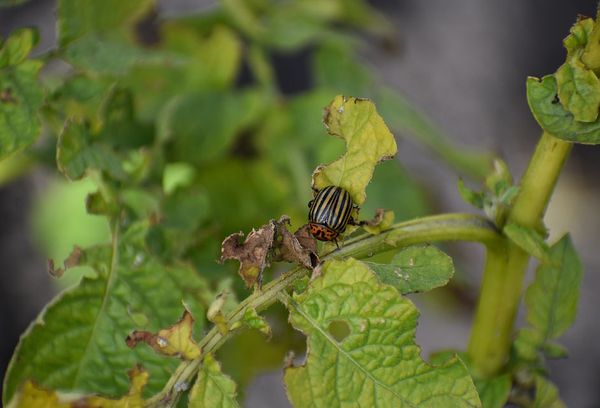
x: 464, y: 63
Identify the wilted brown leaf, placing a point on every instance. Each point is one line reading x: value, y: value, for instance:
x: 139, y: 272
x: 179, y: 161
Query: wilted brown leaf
x: 71, y: 261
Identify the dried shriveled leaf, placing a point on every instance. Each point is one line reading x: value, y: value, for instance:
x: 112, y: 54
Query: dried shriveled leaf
x: 290, y: 248
x: 212, y: 387
x: 71, y: 261
x: 368, y: 141
x: 377, y: 363
x: 175, y: 340
x: 252, y: 253
x: 380, y: 222
x: 272, y: 241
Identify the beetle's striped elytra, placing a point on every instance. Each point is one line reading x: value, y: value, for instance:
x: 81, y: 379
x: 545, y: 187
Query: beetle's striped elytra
x: 329, y: 213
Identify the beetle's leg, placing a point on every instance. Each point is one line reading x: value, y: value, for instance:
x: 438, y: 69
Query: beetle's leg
x: 310, y: 203
x: 335, y: 241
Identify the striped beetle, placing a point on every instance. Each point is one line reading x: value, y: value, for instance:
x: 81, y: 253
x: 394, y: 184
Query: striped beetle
x: 329, y: 213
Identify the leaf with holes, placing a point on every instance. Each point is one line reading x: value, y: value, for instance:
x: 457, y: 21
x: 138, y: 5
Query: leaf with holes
x: 377, y: 364
x: 368, y: 141
x: 78, y: 341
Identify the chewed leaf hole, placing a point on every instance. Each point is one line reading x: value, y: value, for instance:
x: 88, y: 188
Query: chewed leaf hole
x: 339, y: 329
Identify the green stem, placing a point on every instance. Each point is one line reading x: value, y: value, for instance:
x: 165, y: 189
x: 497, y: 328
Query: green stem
x: 506, y: 264
x: 446, y: 227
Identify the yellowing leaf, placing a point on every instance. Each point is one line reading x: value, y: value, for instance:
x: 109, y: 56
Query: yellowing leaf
x: 31, y: 395
x: 368, y: 141
x: 138, y: 379
x: 376, y: 363
x: 212, y: 387
x: 175, y: 340
x: 380, y: 222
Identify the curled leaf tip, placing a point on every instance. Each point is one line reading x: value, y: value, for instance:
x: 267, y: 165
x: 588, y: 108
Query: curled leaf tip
x: 175, y: 340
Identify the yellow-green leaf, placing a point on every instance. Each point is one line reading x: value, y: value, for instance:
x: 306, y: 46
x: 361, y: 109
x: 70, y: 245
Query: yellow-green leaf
x: 212, y: 387
x: 175, y: 340
x: 578, y: 90
x: 368, y: 141
x: 377, y: 363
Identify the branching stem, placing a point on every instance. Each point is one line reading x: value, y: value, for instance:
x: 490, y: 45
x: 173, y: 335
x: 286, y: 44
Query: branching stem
x: 446, y: 227
x: 506, y: 264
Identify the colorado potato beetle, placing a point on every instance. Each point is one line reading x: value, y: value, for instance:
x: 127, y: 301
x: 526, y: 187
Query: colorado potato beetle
x: 329, y: 213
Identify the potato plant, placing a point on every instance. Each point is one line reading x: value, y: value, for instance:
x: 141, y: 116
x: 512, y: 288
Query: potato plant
x: 183, y: 128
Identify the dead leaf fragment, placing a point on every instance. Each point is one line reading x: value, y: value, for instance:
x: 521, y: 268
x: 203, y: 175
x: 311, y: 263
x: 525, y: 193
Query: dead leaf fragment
x: 272, y: 241
x: 290, y: 248
x: 252, y: 253
x: 71, y: 261
x: 175, y: 340
x: 381, y: 221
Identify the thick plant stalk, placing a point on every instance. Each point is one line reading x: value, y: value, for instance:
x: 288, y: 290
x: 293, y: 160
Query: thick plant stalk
x: 506, y: 264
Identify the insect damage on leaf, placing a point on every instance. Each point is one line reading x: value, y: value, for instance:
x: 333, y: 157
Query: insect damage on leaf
x: 271, y: 242
x: 175, y: 340
x: 71, y: 261
x: 381, y: 221
x: 368, y: 142
x: 378, y: 353
x: 34, y: 395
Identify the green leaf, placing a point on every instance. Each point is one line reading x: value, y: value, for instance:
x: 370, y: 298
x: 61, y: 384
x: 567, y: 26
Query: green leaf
x: 415, y: 269
x: 529, y: 240
x: 107, y: 56
x: 17, y: 47
x: 253, y: 320
x: 377, y: 364
x: 403, y: 117
x: 202, y: 126
x: 212, y: 388
x: 553, y: 118
x: 552, y: 297
x: 76, y: 18
x: 336, y: 68
x: 546, y: 394
x: 21, y: 97
x: 495, y: 391
x: 77, y: 152
x: 579, y: 35
x: 527, y: 344
x: 555, y: 350
x: 475, y: 198
x: 212, y: 61
x: 578, y: 90
x: 78, y: 341
x: 368, y: 141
